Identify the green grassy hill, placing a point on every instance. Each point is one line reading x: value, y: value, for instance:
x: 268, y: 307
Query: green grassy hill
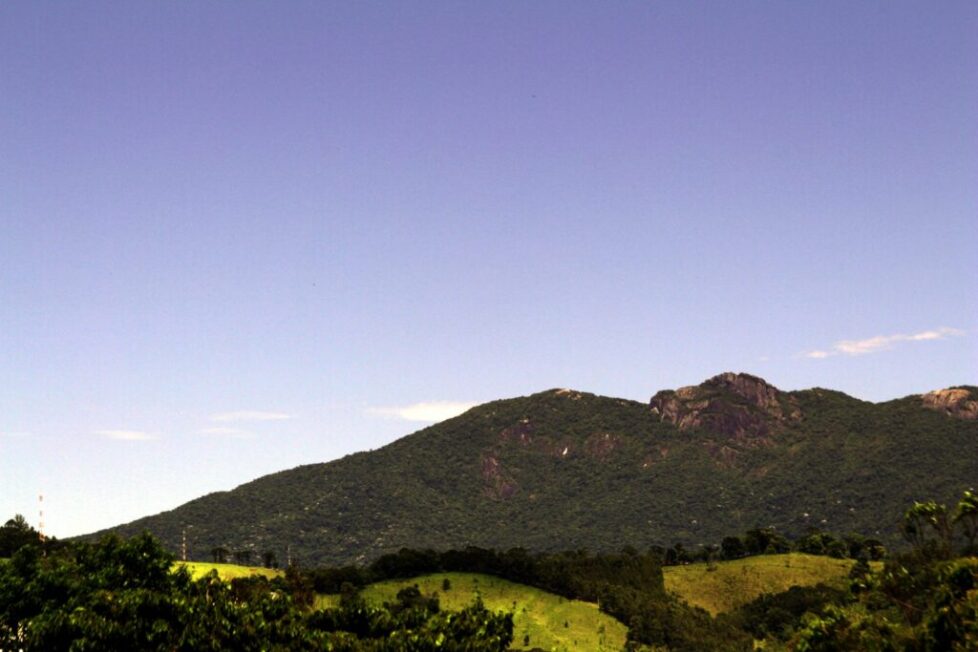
x: 228, y: 571
x: 564, y: 470
x: 549, y: 621
x: 734, y: 583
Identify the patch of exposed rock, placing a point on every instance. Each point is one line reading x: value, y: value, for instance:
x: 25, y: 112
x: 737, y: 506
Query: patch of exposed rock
x: 520, y: 433
x: 959, y: 402
x: 738, y: 407
x: 497, y: 483
x: 600, y: 445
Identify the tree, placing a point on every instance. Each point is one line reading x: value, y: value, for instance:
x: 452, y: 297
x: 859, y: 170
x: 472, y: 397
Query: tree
x: 268, y: 559
x: 732, y: 548
x: 966, y: 515
x: 220, y: 554
x: 15, y: 534
x: 924, y: 518
x: 765, y: 541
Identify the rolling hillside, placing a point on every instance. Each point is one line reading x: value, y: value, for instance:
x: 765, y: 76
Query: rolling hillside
x: 227, y: 571
x: 541, y: 619
x: 563, y: 470
x: 549, y: 621
x: 730, y: 584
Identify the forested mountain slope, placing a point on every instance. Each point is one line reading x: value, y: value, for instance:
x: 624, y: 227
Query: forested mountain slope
x: 563, y: 469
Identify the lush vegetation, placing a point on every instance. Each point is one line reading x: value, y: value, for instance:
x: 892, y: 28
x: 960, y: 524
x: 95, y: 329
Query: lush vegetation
x: 15, y: 534
x: 129, y: 594
x: 925, y: 599
x: 921, y: 600
x: 540, y: 619
x: 125, y: 595
x: 563, y: 470
x: 627, y: 586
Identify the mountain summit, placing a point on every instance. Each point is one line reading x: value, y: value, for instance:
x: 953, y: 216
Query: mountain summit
x: 564, y: 469
x: 740, y: 406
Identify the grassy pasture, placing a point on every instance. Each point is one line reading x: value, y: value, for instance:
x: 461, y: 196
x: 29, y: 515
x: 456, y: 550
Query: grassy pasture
x: 228, y: 571
x: 550, y: 621
x: 737, y: 582
x: 542, y: 616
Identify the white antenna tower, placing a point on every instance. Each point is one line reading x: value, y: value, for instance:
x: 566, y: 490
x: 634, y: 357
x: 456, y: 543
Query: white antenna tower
x: 40, y: 517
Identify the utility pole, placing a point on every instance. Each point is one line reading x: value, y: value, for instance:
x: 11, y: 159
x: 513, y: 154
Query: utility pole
x: 183, y: 544
x: 40, y: 517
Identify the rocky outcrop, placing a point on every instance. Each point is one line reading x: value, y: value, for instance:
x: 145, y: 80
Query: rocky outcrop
x: 738, y: 407
x: 958, y: 402
x: 497, y: 482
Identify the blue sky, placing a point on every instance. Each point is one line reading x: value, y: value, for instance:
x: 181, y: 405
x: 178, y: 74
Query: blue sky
x: 235, y: 238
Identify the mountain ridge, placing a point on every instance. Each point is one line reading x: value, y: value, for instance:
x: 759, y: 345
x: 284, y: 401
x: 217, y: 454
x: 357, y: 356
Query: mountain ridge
x: 564, y: 469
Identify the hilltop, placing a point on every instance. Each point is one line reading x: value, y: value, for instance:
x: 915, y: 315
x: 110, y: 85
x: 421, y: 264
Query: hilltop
x: 564, y: 469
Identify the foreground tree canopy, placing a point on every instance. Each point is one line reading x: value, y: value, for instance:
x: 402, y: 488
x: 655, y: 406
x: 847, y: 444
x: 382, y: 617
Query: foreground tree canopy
x: 125, y: 595
x: 15, y: 534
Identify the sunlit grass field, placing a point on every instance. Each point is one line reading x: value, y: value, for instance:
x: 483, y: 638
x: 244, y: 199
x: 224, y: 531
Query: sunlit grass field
x: 555, y: 623
x: 227, y: 571
x: 540, y: 619
x: 737, y: 582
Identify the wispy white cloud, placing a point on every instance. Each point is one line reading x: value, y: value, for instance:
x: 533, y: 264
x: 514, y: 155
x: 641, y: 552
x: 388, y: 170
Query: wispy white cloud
x: 126, y: 435
x: 250, y: 415
x: 430, y: 411
x: 881, y: 343
x: 221, y: 431
x: 818, y: 355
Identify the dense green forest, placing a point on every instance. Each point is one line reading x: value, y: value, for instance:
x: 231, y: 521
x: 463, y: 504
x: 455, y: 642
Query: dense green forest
x: 126, y: 594
x: 562, y: 470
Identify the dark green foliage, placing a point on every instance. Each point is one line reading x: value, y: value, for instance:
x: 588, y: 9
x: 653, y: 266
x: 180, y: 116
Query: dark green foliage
x: 732, y: 548
x: 916, y: 604
x: 824, y: 543
x: 412, y: 627
x: 952, y: 620
x: 966, y: 517
x: 124, y: 595
x: 765, y: 541
x: 220, y: 554
x: 922, y: 600
x: 15, y: 534
x: 777, y: 615
x: 573, y: 575
x: 627, y: 585
x: 669, y: 623
x: 565, y: 470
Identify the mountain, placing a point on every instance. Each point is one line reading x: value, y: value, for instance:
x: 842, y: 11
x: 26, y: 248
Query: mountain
x: 564, y: 469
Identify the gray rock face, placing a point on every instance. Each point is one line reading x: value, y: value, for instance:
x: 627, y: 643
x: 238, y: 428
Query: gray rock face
x: 958, y: 402
x: 740, y: 407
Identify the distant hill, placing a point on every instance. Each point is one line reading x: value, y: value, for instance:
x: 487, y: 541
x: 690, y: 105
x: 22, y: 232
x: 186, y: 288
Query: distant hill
x: 564, y: 469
